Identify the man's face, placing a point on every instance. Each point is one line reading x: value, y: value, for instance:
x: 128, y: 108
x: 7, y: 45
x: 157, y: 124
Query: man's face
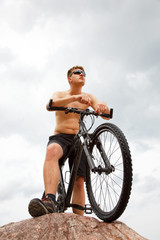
x: 77, y: 77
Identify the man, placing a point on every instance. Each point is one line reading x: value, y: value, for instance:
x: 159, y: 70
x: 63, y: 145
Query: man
x: 67, y: 126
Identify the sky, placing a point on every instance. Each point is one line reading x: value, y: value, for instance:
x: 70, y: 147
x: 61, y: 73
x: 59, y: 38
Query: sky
x: 118, y: 44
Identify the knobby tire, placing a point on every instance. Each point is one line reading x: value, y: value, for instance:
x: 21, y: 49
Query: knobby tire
x: 109, y: 194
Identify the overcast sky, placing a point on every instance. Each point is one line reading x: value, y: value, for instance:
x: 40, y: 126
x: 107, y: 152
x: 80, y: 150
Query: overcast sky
x: 118, y: 43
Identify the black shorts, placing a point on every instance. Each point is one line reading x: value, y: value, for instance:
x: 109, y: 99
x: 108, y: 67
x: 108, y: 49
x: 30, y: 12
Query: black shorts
x: 65, y: 141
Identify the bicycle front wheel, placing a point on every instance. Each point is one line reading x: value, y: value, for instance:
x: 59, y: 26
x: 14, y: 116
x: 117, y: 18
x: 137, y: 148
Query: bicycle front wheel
x: 109, y: 193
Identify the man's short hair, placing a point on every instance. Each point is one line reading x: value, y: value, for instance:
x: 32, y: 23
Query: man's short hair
x: 69, y: 73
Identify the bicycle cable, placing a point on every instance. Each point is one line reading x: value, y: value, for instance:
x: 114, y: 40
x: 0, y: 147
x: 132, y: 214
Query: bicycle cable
x: 92, y: 122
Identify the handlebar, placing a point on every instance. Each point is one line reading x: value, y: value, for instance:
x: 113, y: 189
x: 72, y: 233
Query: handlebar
x: 79, y: 111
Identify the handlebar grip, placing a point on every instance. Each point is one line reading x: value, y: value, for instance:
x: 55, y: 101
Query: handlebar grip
x: 107, y: 115
x: 50, y: 104
x: 111, y: 113
x: 50, y: 108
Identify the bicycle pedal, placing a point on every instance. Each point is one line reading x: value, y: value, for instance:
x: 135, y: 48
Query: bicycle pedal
x: 88, y: 209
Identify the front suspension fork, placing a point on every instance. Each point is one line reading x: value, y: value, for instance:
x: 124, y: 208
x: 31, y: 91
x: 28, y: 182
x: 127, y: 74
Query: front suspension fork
x: 90, y: 158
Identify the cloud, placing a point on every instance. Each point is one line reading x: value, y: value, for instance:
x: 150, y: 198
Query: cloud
x: 21, y: 166
x: 118, y: 45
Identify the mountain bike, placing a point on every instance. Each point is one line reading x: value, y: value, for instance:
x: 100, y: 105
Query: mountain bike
x: 108, y: 170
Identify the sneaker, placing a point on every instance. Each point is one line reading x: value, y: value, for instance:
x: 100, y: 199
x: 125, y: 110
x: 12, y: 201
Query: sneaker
x: 39, y: 207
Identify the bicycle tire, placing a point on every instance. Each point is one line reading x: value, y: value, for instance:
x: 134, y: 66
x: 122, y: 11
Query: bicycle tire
x: 61, y: 193
x: 109, y: 193
x: 60, y: 199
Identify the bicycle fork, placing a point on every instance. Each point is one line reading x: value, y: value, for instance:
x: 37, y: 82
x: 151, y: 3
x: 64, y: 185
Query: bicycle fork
x: 108, y: 167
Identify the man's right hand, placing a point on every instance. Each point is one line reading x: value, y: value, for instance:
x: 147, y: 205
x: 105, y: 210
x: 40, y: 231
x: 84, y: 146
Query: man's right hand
x: 83, y: 98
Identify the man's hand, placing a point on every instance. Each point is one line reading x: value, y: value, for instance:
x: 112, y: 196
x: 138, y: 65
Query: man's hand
x: 102, y: 108
x: 83, y: 98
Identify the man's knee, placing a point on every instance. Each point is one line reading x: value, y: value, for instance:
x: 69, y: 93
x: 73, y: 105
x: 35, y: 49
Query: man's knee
x: 54, y: 150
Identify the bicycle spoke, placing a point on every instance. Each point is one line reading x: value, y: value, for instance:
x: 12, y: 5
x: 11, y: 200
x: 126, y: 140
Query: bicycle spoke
x: 115, y: 165
x: 110, y: 198
x: 107, y: 188
x: 117, y: 177
x: 117, y: 169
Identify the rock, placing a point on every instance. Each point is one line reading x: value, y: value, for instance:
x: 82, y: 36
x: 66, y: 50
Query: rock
x: 67, y: 226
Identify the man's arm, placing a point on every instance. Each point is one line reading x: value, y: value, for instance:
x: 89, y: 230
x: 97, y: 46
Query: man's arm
x: 58, y: 99
x: 98, y: 106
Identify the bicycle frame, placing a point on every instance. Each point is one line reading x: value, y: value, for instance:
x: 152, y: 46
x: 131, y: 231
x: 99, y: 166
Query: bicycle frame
x: 83, y: 139
x: 68, y: 194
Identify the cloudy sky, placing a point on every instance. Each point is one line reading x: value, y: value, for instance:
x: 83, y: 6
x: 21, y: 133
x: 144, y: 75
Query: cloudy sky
x: 118, y: 43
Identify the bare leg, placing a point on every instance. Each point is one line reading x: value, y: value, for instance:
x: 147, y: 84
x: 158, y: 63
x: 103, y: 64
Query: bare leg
x: 79, y: 194
x: 51, y: 172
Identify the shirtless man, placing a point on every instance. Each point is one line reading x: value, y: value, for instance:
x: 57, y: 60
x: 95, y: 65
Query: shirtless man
x: 66, y: 128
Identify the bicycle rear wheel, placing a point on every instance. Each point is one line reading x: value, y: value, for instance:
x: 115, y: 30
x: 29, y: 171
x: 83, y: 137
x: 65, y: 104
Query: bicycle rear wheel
x: 109, y: 193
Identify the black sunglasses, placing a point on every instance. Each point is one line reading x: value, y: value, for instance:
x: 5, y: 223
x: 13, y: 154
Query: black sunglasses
x: 78, y: 72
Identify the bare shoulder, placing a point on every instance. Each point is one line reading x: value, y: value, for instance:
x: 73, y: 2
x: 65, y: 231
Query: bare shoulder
x: 60, y: 94
x: 93, y: 98
x: 90, y: 95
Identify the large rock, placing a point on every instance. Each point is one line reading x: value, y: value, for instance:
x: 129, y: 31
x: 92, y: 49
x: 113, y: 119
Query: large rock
x: 67, y: 226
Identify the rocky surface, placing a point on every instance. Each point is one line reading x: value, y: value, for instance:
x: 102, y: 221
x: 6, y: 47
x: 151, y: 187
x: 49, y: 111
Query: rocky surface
x: 67, y: 226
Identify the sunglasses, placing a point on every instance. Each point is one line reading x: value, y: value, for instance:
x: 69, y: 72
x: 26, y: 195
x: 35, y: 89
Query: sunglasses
x: 78, y: 72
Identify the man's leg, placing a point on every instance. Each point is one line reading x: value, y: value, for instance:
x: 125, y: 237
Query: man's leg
x: 39, y: 207
x: 51, y: 172
x: 79, y: 194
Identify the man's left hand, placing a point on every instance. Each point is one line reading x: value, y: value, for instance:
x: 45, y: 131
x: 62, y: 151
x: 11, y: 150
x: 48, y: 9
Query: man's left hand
x: 102, y: 108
